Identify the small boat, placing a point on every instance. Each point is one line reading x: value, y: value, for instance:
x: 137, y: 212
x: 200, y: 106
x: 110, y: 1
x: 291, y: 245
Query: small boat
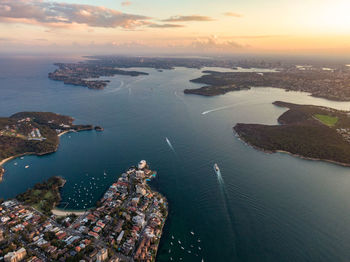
x: 192, y: 233
x: 182, y: 248
x: 179, y: 242
x: 199, y: 248
x: 189, y: 251
x: 216, y: 168
x: 26, y: 166
x: 172, y: 237
x: 22, y: 157
x: 171, y: 243
x: 15, y: 163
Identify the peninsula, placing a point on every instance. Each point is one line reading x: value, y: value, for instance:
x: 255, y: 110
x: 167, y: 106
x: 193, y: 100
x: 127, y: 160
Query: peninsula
x: 78, y: 74
x: 126, y: 224
x: 33, y: 133
x: 331, y: 84
x: 308, y: 131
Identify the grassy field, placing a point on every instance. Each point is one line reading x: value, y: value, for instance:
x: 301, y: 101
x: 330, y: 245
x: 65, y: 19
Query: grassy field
x: 327, y: 120
x: 43, y: 196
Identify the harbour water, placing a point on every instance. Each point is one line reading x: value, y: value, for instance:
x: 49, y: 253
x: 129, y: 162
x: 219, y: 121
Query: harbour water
x: 269, y: 207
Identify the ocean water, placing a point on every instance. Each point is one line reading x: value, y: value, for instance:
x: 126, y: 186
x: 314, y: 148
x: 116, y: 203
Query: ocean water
x: 265, y: 207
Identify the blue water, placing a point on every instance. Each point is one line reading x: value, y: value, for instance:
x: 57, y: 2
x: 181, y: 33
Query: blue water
x: 265, y: 207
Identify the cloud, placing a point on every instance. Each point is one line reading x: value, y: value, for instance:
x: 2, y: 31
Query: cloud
x: 215, y: 43
x: 126, y: 3
x: 165, y: 26
x: 189, y: 18
x: 61, y: 14
x: 232, y: 14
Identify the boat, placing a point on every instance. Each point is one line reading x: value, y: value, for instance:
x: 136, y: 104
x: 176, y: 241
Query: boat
x: 179, y: 242
x: 26, y: 166
x: 192, y: 233
x: 216, y: 168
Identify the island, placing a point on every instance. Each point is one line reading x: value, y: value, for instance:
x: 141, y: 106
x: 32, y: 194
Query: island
x: 125, y: 225
x: 78, y: 74
x: 33, y: 133
x: 307, y: 131
x: 330, y: 84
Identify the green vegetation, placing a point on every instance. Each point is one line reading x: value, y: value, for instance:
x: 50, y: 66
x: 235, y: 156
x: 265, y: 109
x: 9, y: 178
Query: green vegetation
x: 327, y: 120
x: 14, y: 131
x: 43, y: 196
x: 300, y: 133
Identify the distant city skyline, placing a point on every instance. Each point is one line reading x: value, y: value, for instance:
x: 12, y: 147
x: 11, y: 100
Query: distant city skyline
x: 138, y: 26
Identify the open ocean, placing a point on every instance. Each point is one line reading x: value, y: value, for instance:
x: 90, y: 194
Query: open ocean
x: 266, y: 207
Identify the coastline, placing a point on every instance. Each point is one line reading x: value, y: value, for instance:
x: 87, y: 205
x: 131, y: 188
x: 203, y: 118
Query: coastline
x: 289, y: 153
x: 60, y: 212
x: 2, y: 162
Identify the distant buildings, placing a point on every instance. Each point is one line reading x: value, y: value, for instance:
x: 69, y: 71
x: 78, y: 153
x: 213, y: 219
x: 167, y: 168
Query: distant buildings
x: 1, y: 235
x: 35, y: 135
x: 102, y: 255
x: 142, y: 164
x: 18, y: 255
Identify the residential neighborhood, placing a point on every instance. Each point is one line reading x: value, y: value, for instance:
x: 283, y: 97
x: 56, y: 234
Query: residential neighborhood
x: 126, y: 225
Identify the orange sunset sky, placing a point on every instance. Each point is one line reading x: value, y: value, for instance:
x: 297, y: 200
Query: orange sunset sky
x: 186, y: 26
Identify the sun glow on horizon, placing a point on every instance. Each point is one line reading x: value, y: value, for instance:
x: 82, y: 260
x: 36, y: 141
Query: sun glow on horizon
x: 242, y: 26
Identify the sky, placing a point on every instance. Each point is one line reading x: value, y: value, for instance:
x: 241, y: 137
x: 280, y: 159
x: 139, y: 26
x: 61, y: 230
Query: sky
x: 175, y: 26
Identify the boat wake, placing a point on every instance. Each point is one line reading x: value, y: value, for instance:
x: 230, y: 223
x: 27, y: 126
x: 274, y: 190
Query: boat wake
x: 227, y: 107
x: 225, y: 198
x: 169, y: 144
x: 217, y: 109
x: 219, y: 176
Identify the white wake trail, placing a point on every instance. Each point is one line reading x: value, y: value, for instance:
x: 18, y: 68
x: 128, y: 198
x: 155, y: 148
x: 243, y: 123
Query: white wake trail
x: 217, y: 109
x: 169, y: 144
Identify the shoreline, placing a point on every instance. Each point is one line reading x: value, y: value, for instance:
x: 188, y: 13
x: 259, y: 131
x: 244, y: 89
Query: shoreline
x: 60, y: 212
x: 289, y: 153
x: 2, y: 162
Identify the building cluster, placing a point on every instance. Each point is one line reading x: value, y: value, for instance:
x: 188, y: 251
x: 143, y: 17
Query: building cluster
x: 26, y: 233
x: 345, y: 133
x: 35, y: 135
x: 129, y: 217
x: 126, y: 225
x: 21, y: 127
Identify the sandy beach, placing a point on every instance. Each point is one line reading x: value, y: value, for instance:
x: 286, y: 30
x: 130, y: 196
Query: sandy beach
x: 64, y: 132
x: 59, y: 212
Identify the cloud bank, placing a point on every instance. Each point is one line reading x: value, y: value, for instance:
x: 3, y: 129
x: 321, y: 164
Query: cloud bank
x: 55, y: 14
x: 189, y: 18
x: 232, y: 14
